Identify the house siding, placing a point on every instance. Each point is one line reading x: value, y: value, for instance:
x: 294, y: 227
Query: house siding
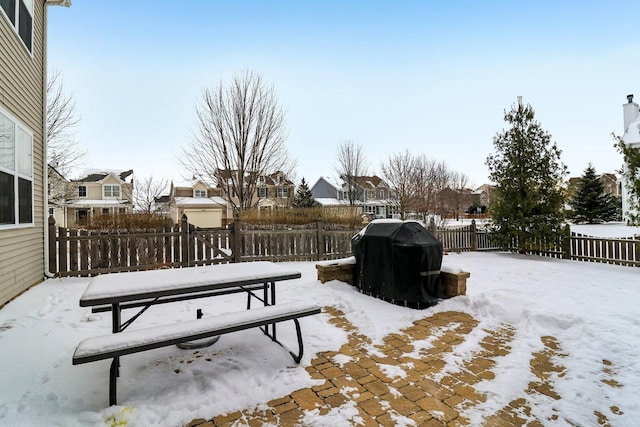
x: 21, y: 93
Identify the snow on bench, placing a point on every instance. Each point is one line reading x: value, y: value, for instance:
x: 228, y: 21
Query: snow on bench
x: 134, y: 341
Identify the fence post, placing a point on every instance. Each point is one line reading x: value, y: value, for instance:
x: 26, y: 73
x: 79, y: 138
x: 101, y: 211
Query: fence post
x: 185, y: 257
x: 52, y: 245
x: 236, y: 240
x: 432, y: 225
x: 320, y: 239
x: 566, y: 242
x: 474, y: 236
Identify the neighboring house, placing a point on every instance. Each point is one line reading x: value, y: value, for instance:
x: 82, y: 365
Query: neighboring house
x: 23, y: 173
x: 272, y: 191
x: 609, y: 181
x: 373, y: 194
x: 482, y: 195
x: 100, y: 192
x: 324, y: 189
x: 162, y: 206
x: 59, y: 194
x: 200, y: 202
x: 631, y: 113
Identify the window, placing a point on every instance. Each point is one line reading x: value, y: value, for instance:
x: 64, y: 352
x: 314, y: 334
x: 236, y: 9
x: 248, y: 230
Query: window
x: 105, y: 211
x: 262, y: 192
x: 382, y: 194
x: 200, y: 193
x: 371, y: 194
x: 16, y: 172
x: 20, y: 15
x: 50, y: 211
x: 261, y: 179
x: 122, y: 210
x: 111, y: 191
x: 282, y: 192
x: 82, y: 191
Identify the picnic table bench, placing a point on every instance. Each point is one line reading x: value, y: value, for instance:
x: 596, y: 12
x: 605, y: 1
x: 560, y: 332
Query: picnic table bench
x: 115, y: 292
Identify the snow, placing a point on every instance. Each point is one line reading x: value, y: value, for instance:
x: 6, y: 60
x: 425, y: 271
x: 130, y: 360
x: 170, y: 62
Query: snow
x: 119, y: 286
x: 589, y: 308
x: 612, y: 229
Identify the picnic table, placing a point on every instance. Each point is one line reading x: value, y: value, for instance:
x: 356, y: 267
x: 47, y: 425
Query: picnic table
x: 144, y: 289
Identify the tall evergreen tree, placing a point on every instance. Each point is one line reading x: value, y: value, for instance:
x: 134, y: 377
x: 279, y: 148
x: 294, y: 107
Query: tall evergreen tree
x: 527, y: 202
x: 303, y: 197
x: 591, y: 203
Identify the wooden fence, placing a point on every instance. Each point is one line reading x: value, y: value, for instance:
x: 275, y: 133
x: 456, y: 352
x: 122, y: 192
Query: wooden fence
x: 87, y: 253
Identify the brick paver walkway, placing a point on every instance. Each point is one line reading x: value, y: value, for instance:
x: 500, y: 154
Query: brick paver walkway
x: 393, y: 383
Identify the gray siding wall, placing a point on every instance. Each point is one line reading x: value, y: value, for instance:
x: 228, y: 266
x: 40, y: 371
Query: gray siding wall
x: 22, y: 84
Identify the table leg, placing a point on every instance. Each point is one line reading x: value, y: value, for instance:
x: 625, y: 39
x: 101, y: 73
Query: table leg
x: 115, y: 325
x: 272, y: 285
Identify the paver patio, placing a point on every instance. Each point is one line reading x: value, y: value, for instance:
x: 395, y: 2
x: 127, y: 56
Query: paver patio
x: 394, y: 382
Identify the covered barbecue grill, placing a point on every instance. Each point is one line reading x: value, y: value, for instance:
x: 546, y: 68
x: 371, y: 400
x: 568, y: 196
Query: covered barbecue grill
x: 399, y: 262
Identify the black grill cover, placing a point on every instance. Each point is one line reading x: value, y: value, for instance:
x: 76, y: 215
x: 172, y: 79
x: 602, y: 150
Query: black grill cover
x: 398, y: 261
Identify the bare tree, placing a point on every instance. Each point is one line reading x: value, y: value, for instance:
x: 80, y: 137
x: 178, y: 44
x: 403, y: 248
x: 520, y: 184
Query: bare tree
x: 399, y: 171
x: 63, y: 149
x: 456, y: 196
x: 240, y: 136
x: 146, y: 191
x: 352, y: 163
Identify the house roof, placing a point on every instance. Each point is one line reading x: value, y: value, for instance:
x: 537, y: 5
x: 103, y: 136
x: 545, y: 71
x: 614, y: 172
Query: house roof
x: 325, y: 201
x: 199, y: 201
x: 270, y: 179
x: 97, y: 175
x: 83, y: 203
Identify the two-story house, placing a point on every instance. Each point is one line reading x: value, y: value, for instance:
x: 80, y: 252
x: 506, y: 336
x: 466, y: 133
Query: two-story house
x: 269, y: 191
x: 373, y: 195
x: 100, y: 192
x: 200, y: 202
x: 23, y: 168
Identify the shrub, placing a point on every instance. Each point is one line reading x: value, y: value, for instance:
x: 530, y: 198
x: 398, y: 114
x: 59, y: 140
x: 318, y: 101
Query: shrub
x: 122, y: 222
x: 300, y: 216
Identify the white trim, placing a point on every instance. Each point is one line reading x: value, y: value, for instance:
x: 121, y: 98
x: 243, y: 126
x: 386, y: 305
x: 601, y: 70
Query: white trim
x: 17, y: 22
x: 17, y: 175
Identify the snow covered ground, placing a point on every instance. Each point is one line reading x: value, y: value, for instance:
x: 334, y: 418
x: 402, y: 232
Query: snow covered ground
x: 591, y: 309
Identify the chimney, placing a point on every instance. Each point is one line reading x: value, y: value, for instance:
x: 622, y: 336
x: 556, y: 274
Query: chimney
x: 631, y: 110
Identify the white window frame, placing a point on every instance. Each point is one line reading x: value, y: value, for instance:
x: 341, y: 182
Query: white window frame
x: 85, y: 191
x: 17, y: 174
x: 262, y: 192
x: 111, y: 195
x: 282, y: 192
x: 199, y: 193
x: 16, y: 18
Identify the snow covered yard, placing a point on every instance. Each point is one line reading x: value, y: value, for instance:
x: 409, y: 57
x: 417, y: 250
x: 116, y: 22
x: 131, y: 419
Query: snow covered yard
x: 586, y: 312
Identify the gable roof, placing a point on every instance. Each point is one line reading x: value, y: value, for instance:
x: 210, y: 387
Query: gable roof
x: 97, y: 175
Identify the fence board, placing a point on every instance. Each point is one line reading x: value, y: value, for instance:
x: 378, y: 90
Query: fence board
x: 81, y: 252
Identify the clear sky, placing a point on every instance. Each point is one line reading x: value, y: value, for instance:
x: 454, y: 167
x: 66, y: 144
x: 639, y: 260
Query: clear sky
x: 433, y: 77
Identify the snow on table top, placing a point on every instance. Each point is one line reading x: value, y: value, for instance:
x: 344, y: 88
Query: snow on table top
x: 133, y: 285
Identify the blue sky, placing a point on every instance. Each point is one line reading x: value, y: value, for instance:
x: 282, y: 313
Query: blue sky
x: 431, y: 77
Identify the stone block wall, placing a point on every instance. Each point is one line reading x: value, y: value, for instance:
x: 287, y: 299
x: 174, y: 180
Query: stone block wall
x: 453, y: 284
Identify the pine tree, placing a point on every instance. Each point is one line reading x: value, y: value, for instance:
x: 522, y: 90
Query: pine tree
x: 303, y: 197
x: 591, y: 203
x: 527, y: 205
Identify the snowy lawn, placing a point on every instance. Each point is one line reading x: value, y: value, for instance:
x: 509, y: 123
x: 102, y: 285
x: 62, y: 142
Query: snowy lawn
x: 591, y: 309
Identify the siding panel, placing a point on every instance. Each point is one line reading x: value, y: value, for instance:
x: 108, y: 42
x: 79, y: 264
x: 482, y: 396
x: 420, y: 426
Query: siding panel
x: 21, y: 93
